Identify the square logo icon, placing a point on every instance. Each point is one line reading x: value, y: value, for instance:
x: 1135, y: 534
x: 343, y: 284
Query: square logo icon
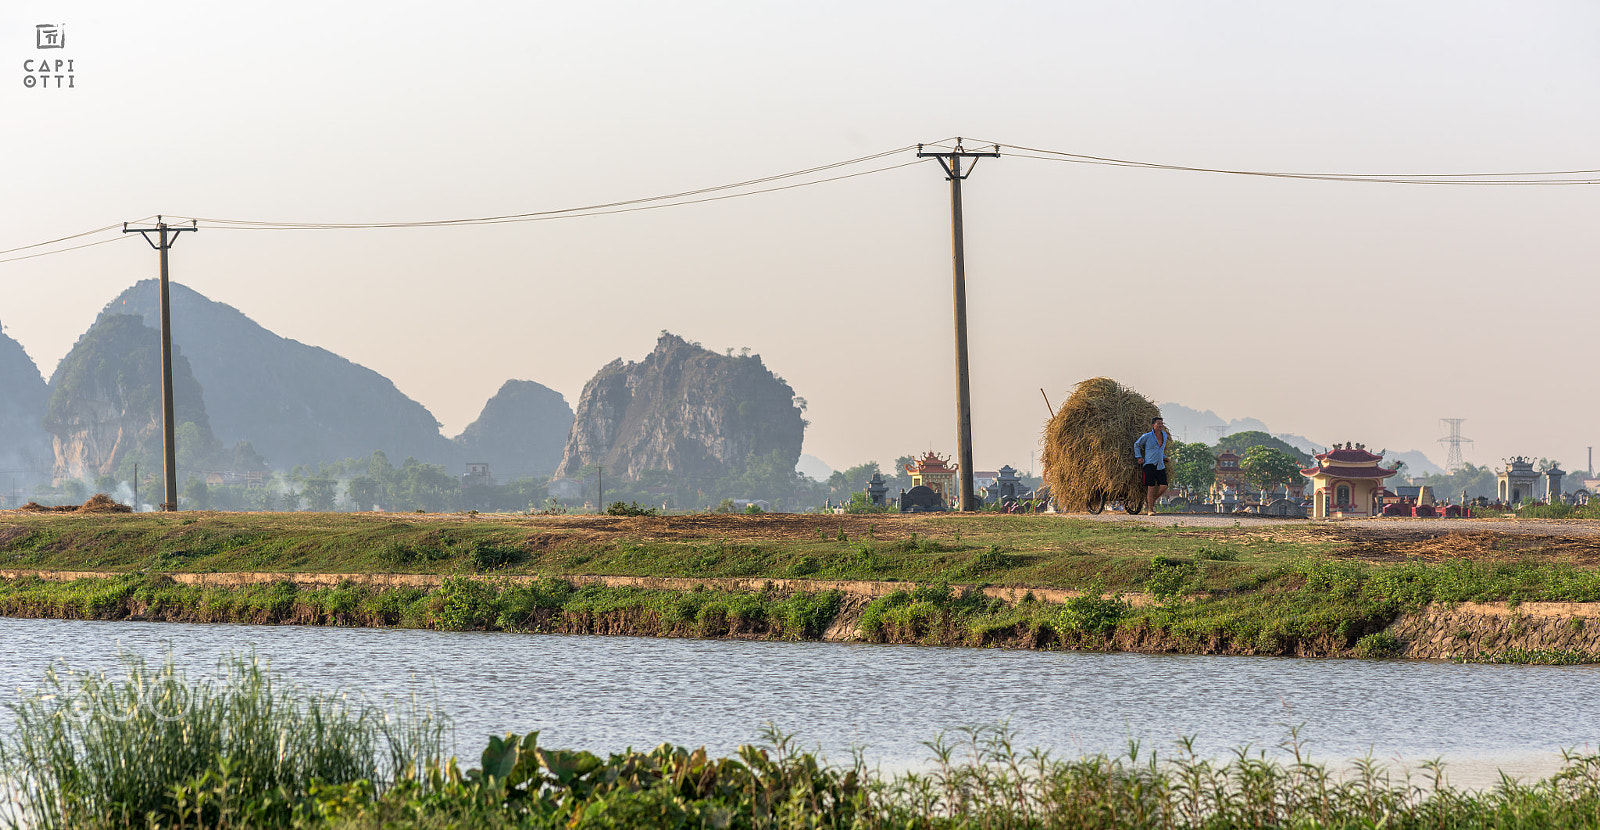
x: 50, y: 36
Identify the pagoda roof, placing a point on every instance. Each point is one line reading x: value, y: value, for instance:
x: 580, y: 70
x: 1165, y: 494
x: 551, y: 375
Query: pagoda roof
x: 1348, y: 472
x: 1347, y: 455
x: 932, y: 463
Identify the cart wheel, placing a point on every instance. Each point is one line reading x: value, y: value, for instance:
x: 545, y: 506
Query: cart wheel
x: 1133, y: 508
x: 1097, y: 503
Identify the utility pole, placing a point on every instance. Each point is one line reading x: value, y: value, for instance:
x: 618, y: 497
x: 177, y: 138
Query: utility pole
x: 600, y: 483
x: 951, y: 162
x: 165, y: 236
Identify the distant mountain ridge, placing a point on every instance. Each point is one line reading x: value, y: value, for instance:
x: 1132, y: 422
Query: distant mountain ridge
x: 300, y: 404
x: 683, y: 410
x: 520, y: 433
x: 105, y: 402
x: 297, y: 404
x: 1206, y: 427
x: 24, y: 443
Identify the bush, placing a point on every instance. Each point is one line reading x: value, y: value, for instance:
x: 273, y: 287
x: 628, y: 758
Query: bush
x: 488, y: 556
x: 1381, y: 644
x: 1093, y: 612
x: 463, y: 604
x: 1169, y: 578
x: 617, y: 508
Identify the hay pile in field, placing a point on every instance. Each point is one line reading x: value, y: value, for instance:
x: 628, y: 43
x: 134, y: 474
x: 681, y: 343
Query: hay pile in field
x: 1088, y: 444
x: 102, y: 503
x: 98, y: 503
x: 35, y: 507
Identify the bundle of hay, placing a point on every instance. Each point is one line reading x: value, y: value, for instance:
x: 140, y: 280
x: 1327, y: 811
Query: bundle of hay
x: 1088, y: 444
x: 102, y: 503
x: 35, y: 507
x: 98, y: 503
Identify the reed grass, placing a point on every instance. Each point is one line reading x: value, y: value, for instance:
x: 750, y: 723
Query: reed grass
x: 244, y: 748
x: 156, y: 749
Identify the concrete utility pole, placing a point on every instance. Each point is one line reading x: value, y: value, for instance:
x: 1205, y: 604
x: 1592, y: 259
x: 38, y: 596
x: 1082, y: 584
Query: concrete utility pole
x: 165, y: 236
x: 951, y: 162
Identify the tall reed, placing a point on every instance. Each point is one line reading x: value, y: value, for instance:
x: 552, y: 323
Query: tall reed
x: 155, y: 748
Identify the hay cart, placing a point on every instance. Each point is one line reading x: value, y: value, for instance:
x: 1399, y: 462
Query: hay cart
x: 1088, y: 447
x: 1132, y: 499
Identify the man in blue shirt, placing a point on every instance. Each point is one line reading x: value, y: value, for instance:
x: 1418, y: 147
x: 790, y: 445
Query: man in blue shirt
x: 1150, y: 450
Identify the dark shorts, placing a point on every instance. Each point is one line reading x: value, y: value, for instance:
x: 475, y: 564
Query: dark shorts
x: 1152, y: 476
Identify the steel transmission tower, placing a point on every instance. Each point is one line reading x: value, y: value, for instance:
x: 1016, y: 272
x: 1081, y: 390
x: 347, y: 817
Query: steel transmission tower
x: 1453, y: 442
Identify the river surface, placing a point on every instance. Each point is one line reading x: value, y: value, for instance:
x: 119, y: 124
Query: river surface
x: 607, y: 693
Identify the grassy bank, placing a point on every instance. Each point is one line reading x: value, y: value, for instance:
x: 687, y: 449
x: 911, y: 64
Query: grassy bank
x: 154, y: 750
x: 1045, y: 551
x: 1290, y: 588
x: 1305, y: 607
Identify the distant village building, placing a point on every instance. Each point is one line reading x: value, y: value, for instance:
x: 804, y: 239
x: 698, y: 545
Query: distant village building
x: 877, y: 491
x: 1517, y: 481
x: 1552, y: 492
x: 477, y: 475
x: 1008, y: 485
x: 1229, y: 475
x: 1347, y: 482
x: 935, y: 473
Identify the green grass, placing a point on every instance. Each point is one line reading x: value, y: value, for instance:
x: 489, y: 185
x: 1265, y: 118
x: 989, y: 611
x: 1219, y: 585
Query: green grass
x: 1279, y: 590
x: 154, y: 749
x: 1044, y: 551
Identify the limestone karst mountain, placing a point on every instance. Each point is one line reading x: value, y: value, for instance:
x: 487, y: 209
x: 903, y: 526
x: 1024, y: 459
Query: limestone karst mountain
x: 297, y: 404
x: 686, y: 410
x: 24, y: 444
x: 520, y: 432
x: 105, y: 402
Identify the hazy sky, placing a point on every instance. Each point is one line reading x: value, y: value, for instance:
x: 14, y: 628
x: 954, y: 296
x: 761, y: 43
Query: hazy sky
x: 1341, y: 311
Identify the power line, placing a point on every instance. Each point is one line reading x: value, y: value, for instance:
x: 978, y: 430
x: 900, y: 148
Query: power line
x: 742, y: 188
x: 1546, y: 177
x: 672, y: 200
x: 61, y: 250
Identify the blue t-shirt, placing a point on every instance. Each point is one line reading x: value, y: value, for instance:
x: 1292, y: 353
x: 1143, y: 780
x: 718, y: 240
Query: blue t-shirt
x: 1151, y: 449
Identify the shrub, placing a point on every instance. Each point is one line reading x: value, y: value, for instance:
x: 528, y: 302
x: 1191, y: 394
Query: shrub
x: 1381, y: 644
x: 617, y: 508
x: 1093, y: 612
x: 1169, y: 578
x: 488, y: 556
x: 463, y: 604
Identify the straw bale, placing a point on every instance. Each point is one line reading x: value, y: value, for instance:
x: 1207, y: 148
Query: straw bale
x: 102, y: 503
x: 1088, y: 444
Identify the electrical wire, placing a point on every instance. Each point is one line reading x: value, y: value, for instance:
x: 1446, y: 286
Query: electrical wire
x: 62, y: 250
x: 1542, y: 177
x: 751, y: 187
x: 595, y: 209
x: 54, y: 241
x: 572, y: 213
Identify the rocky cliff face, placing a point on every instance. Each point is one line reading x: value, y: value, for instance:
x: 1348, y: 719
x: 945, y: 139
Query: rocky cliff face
x: 105, y: 401
x: 521, y: 431
x: 694, y: 413
x: 24, y: 443
x: 297, y: 404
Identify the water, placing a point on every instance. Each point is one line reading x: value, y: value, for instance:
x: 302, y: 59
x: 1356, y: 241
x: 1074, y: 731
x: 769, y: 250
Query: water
x: 607, y: 693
